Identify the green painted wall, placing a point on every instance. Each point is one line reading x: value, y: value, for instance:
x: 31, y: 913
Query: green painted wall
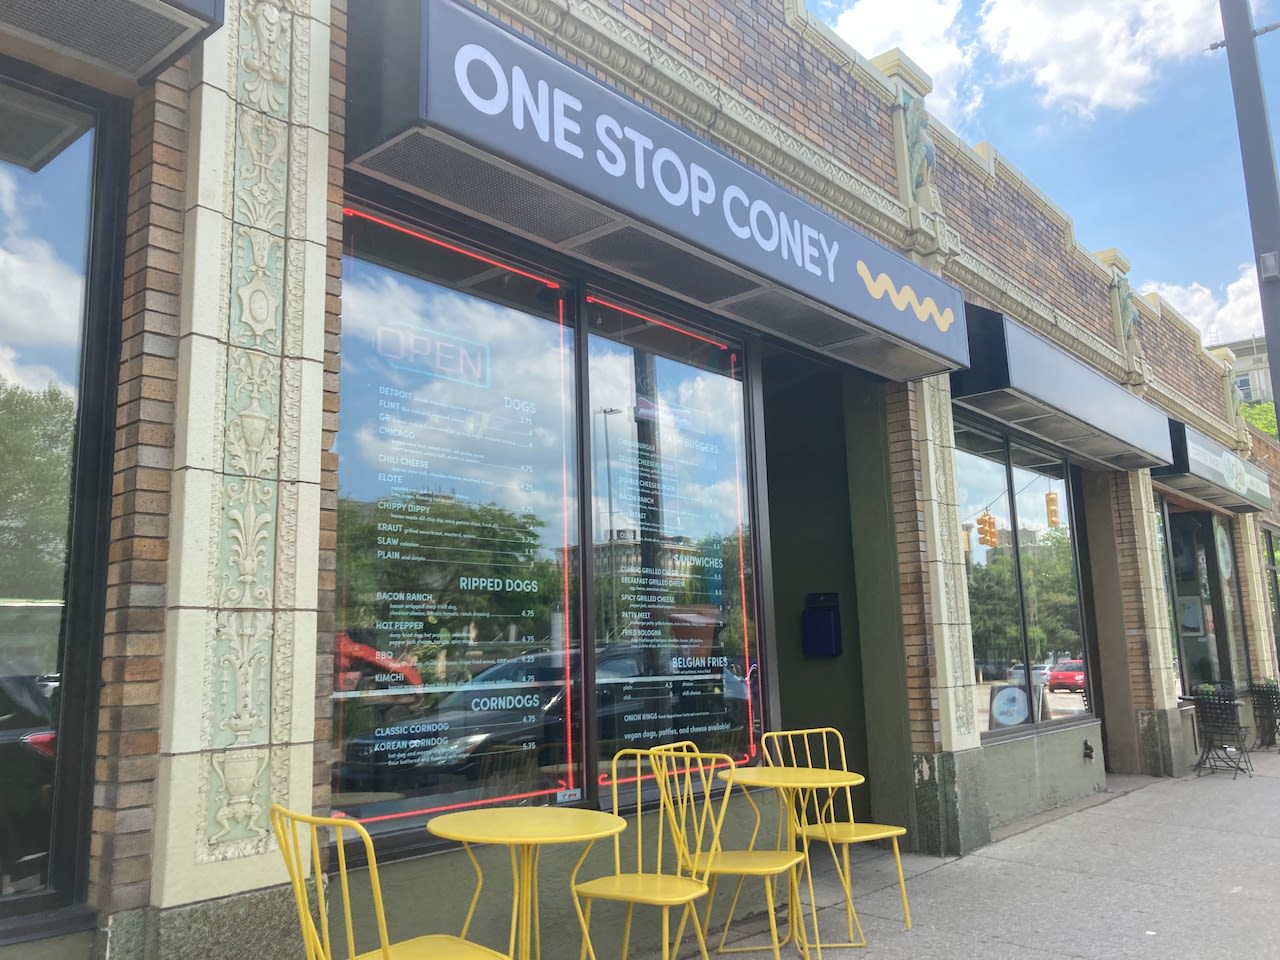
x: 811, y: 548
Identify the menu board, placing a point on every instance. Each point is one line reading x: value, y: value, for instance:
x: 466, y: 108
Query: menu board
x: 454, y: 669
x: 672, y: 551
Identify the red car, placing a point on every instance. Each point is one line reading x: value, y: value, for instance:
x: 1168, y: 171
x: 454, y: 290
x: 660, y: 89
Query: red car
x: 1067, y: 675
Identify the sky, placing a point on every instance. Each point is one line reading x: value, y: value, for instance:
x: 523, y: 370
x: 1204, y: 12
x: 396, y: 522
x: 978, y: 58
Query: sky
x: 1116, y: 111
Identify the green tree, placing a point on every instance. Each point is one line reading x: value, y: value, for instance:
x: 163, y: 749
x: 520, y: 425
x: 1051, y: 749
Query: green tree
x: 37, y: 432
x: 993, y: 609
x: 1261, y: 415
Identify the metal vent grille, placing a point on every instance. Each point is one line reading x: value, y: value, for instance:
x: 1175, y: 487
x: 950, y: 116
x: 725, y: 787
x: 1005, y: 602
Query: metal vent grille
x: 125, y: 36
x: 776, y: 310
x: 440, y: 170
x: 634, y: 252
x: 35, y: 129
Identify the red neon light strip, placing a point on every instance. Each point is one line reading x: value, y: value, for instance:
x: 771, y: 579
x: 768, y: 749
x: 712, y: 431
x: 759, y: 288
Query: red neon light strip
x: 391, y: 225
x: 658, y: 323
x: 456, y: 806
x: 568, y: 657
x: 742, y: 581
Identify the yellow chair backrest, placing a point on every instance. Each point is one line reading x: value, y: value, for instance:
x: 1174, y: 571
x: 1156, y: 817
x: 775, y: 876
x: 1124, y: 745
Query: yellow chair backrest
x: 631, y: 774
x: 821, y: 747
x: 297, y: 833
x: 688, y: 782
x: 812, y: 747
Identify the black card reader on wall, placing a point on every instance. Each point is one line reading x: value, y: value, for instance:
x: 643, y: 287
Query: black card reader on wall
x: 820, y: 625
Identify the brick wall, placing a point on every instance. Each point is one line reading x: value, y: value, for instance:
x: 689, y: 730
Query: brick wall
x: 750, y: 49
x: 1266, y: 454
x: 133, y: 645
x: 1125, y: 512
x: 1173, y: 349
x: 905, y: 477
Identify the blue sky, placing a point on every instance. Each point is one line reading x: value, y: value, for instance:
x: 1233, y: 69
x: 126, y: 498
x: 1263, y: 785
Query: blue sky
x: 1114, y: 110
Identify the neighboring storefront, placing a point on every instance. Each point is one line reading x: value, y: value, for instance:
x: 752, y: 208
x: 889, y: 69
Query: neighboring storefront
x: 500, y: 385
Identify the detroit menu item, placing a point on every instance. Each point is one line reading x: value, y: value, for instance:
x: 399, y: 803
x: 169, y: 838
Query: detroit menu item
x: 672, y: 568
x: 455, y: 675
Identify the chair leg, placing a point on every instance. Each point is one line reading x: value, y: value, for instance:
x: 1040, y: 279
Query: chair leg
x: 697, y: 932
x: 584, y: 920
x: 626, y: 930
x: 902, y: 885
x: 773, y: 919
x: 733, y: 906
x: 666, y: 933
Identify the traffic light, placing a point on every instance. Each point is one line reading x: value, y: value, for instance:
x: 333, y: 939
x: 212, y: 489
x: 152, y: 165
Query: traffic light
x: 1051, y: 508
x: 987, y: 530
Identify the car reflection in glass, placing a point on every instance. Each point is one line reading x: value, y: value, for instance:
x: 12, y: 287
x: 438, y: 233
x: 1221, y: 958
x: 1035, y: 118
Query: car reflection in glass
x: 517, y: 709
x: 27, y: 750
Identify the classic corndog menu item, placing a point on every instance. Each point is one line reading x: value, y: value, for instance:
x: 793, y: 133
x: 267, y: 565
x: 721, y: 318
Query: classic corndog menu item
x: 456, y: 520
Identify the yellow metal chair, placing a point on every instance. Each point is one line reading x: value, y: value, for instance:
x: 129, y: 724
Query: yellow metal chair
x: 651, y: 869
x: 294, y: 832
x: 743, y: 862
x: 830, y: 818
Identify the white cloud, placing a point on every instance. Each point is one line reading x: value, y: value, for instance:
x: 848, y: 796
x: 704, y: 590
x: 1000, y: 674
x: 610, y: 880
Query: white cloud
x: 1234, y: 316
x: 28, y: 376
x: 1099, y: 55
x: 41, y: 306
x: 931, y: 33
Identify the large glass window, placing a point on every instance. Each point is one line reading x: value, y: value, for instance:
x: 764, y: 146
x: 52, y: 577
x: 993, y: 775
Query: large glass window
x: 1271, y: 573
x: 1024, y: 596
x: 461, y: 657
x: 1208, y: 612
x: 672, y: 579
x: 457, y: 656
x: 46, y: 191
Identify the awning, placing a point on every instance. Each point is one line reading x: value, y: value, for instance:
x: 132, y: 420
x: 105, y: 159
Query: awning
x: 1210, y: 472
x: 469, y: 114
x: 125, y: 39
x: 1023, y: 380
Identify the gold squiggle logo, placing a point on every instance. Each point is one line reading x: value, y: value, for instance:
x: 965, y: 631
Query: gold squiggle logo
x: 906, y: 297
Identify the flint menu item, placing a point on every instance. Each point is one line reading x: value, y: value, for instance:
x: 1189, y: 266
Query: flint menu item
x: 455, y: 671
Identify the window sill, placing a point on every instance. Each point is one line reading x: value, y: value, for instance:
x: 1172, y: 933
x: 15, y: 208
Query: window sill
x: 56, y: 922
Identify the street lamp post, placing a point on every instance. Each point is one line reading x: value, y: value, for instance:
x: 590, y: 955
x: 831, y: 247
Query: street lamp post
x: 1258, y: 158
x: 608, y: 472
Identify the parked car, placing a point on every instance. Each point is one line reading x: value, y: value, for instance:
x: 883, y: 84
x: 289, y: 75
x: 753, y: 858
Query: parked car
x: 27, y: 752
x: 1039, y: 673
x: 1068, y: 675
x: 513, y: 712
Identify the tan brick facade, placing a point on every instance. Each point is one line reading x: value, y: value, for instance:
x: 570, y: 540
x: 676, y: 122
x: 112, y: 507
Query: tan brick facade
x: 133, y: 646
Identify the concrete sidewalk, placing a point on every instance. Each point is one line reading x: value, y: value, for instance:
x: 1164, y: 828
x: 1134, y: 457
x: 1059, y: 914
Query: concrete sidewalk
x: 1150, y: 868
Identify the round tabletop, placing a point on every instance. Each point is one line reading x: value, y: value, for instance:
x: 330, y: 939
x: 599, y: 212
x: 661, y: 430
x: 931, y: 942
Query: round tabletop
x: 792, y: 778
x: 525, y: 825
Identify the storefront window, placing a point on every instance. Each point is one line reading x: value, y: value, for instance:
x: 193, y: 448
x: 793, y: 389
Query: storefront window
x: 463, y: 674
x: 672, y: 552
x: 46, y: 188
x: 1162, y: 544
x: 457, y: 652
x: 1271, y: 573
x: 1024, y: 597
x: 1207, y: 606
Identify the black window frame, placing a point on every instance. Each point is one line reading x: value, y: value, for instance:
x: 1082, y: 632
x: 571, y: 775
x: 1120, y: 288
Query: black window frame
x: 1074, y: 516
x: 88, y: 542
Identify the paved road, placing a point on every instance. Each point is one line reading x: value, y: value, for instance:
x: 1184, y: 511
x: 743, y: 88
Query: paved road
x: 1150, y: 868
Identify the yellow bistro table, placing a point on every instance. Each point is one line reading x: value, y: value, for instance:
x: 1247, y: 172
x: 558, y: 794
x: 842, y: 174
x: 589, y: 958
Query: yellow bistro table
x: 795, y: 785
x: 524, y: 830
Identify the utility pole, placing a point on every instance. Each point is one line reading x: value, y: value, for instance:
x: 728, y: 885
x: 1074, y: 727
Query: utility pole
x: 1256, y: 152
